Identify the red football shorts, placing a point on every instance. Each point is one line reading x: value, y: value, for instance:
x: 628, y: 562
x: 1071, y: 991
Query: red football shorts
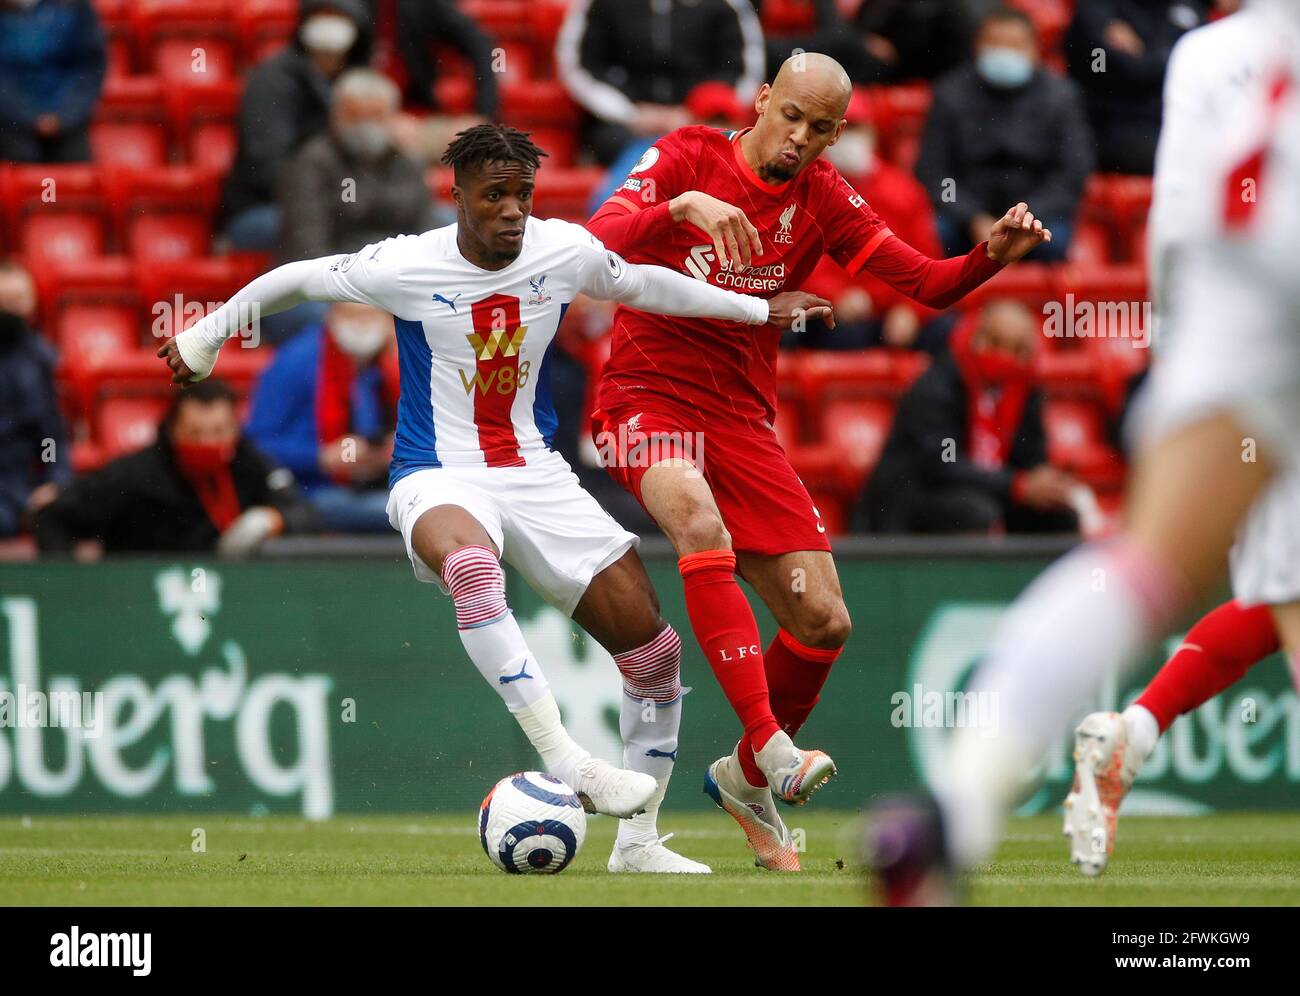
x: 765, y: 507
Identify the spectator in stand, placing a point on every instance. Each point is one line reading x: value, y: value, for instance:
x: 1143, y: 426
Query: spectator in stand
x: 711, y: 103
x: 1117, y: 50
x: 968, y: 451
x: 832, y: 33
x: 916, y: 39
x: 322, y: 212
x: 348, y: 187
x: 326, y: 408
x: 52, y: 63
x: 286, y: 102
x: 868, y: 312
x: 33, y: 453
x: 421, y: 24
x: 1004, y: 129
x: 200, y: 487
x: 631, y: 63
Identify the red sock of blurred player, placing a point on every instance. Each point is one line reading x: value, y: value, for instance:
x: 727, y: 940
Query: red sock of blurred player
x: 1216, y: 652
x: 795, y: 676
x: 726, y: 630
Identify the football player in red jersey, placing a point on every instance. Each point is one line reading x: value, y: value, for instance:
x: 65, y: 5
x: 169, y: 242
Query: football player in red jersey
x: 752, y: 211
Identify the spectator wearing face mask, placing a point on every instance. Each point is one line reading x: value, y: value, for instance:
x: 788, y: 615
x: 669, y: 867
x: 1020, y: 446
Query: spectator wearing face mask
x: 326, y: 408
x: 348, y: 187
x: 286, y: 102
x: 52, y: 63
x: 968, y: 451
x: 33, y: 452
x: 1004, y: 129
x: 868, y: 312
x: 201, y: 486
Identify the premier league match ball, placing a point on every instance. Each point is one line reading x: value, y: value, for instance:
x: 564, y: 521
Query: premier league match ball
x: 531, y: 823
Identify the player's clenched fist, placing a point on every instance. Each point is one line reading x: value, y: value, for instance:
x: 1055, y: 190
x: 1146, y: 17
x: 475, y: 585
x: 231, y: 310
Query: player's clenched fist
x: 735, y: 240
x: 181, y: 374
x: 785, y: 310
x: 1015, y: 233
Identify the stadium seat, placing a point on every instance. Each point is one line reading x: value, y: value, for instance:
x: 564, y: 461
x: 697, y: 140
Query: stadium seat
x: 129, y: 127
x: 899, y: 114
x: 504, y: 20
x: 163, y: 213
x: 98, y: 280
x: 175, y: 291
x: 264, y: 27
x: 203, y: 121
x: 122, y: 424
x: 190, y: 41
x: 566, y: 193
x: 538, y: 103
x: 90, y: 329
x: 788, y: 17
x: 53, y: 212
x: 1076, y: 441
x: 857, y: 428
x: 119, y: 32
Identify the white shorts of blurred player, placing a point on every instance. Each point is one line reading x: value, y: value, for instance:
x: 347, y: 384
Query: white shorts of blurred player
x: 546, y: 526
x: 1266, y: 558
x: 1235, y: 351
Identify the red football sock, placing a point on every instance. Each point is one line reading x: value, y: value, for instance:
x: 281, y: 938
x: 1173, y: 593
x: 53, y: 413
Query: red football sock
x: 795, y: 676
x: 1216, y: 652
x: 726, y: 630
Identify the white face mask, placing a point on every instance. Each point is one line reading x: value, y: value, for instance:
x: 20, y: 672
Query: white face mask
x: 365, y: 139
x: 330, y: 33
x: 360, y: 340
x: 854, y: 153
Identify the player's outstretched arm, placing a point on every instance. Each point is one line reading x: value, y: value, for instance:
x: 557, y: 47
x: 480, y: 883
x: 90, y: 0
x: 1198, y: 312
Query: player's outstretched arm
x: 371, y: 276
x: 192, y: 354
x: 662, y: 291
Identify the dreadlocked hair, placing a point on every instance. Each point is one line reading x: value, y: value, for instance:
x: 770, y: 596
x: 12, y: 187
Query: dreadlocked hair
x: 491, y: 143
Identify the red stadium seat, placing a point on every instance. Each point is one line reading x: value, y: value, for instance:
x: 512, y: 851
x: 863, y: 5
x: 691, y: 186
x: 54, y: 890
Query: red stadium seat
x: 129, y: 128
x: 559, y: 144
x: 504, y: 20
x: 164, y: 213
x: 176, y: 292
x: 90, y: 329
x: 857, y: 428
x: 1076, y: 441
x: 115, y: 19
x: 264, y: 27
x: 203, y: 119
x: 53, y: 212
x: 190, y: 41
x: 899, y: 113
x: 788, y: 17
x: 539, y: 103
x: 100, y: 282
x: 566, y: 193
x: 123, y: 424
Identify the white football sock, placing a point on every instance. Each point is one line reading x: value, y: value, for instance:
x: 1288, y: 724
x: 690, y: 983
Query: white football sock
x: 649, y: 721
x: 1143, y: 732
x: 1094, y: 610
x: 540, y: 722
x: 494, y: 642
x: 650, y: 746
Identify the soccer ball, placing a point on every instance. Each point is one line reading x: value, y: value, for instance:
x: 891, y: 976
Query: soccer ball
x: 531, y: 823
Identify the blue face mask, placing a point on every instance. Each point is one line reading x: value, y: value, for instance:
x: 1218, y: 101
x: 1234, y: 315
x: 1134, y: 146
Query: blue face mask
x: 1004, y: 68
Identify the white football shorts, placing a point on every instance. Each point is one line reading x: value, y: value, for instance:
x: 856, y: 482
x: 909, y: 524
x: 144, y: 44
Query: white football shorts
x: 546, y: 526
x: 1266, y: 558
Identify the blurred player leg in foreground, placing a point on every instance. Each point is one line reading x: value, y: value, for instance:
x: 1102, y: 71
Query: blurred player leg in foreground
x: 1219, y: 418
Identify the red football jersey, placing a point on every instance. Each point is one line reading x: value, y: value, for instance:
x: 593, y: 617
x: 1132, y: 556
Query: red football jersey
x: 718, y: 368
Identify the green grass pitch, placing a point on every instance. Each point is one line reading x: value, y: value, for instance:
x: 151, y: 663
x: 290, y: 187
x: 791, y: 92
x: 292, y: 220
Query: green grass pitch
x: 1225, y: 859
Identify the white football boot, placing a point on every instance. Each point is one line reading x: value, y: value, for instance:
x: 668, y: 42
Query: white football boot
x: 793, y: 774
x: 639, y: 848
x: 603, y: 788
x: 754, y: 810
x: 651, y: 856
x: 1105, y: 764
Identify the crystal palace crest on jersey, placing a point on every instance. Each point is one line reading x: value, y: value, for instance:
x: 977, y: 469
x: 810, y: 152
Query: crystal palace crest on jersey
x: 540, y: 294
